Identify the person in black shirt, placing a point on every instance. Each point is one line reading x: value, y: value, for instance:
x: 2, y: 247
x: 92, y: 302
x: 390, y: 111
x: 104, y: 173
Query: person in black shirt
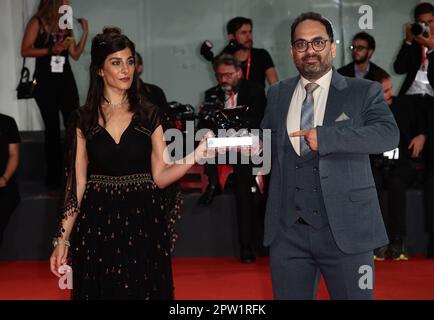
x: 362, y: 50
x: 257, y: 64
x: 154, y: 93
x: 9, y: 158
x: 56, y: 90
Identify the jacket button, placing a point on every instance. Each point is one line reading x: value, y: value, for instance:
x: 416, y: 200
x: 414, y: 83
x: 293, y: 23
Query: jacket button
x: 315, y: 212
x: 298, y: 189
x: 297, y: 167
x: 315, y: 169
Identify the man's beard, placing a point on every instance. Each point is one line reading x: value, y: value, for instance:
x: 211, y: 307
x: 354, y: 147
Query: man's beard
x: 228, y: 87
x: 313, y: 70
x: 361, y: 60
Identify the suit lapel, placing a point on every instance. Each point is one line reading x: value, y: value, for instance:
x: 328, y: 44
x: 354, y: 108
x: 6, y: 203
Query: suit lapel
x: 286, y: 91
x: 335, y: 106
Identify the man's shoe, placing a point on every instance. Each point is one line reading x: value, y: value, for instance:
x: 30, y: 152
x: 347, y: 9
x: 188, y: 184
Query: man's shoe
x: 208, y: 196
x: 380, y: 253
x: 247, y: 255
x: 398, y: 251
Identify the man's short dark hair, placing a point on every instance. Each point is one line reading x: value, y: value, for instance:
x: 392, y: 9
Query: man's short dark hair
x: 227, y: 60
x: 423, y: 8
x: 315, y: 17
x: 236, y: 23
x: 367, y: 37
x: 380, y: 75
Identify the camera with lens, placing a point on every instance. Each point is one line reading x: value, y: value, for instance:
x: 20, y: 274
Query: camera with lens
x: 419, y: 29
x: 207, y: 52
x: 177, y: 115
x: 214, y: 116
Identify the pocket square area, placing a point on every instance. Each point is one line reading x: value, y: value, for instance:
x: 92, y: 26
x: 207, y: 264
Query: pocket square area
x: 342, y: 117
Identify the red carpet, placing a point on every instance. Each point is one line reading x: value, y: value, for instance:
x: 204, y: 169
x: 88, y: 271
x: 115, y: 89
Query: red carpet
x: 222, y: 279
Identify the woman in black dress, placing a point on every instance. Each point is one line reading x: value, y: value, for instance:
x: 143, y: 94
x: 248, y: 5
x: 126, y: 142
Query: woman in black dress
x: 56, y: 89
x: 9, y: 159
x: 113, y: 211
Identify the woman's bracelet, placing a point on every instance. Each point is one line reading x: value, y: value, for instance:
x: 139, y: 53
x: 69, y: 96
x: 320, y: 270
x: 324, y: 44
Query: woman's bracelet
x: 57, y: 241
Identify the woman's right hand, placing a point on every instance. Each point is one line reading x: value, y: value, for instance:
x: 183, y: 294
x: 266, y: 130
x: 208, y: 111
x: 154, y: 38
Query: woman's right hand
x: 58, y: 259
x: 57, y: 49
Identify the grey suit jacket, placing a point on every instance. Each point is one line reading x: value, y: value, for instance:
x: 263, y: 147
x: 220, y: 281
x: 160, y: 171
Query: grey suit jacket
x: 344, y: 146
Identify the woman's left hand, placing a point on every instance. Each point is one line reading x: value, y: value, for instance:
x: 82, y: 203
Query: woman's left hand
x: 3, y: 182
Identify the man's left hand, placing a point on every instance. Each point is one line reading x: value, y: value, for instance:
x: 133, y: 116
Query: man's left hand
x: 311, y: 137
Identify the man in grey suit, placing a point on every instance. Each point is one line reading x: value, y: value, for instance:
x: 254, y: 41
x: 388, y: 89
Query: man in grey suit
x: 323, y: 215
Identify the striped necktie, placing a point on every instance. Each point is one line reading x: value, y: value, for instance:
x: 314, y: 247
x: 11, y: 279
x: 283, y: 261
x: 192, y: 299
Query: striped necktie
x: 307, y: 116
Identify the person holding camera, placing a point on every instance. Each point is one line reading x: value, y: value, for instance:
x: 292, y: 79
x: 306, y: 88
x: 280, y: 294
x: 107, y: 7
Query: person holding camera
x: 400, y: 172
x: 56, y: 89
x: 232, y: 91
x: 416, y: 60
x: 257, y: 64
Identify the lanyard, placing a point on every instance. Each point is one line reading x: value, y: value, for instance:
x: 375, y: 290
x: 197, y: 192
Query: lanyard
x: 58, y: 38
x: 424, y: 59
x: 249, y: 64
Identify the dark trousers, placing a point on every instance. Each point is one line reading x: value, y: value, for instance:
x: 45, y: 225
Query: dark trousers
x: 300, y: 254
x: 396, y: 179
x: 53, y: 96
x: 247, y: 215
x: 9, y: 200
x: 425, y: 106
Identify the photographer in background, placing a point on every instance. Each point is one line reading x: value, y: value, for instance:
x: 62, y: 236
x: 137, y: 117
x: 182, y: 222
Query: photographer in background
x: 257, y: 64
x: 362, y: 50
x: 416, y: 60
x: 401, y: 172
x: 232, y: 91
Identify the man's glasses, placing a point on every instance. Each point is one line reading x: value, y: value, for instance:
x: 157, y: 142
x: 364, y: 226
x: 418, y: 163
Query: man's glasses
x: 302, y: 45
x: 357, y: 48
x: 228, y: 75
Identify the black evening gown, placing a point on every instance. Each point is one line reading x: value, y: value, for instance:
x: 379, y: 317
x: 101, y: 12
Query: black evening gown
x: 122, y: 239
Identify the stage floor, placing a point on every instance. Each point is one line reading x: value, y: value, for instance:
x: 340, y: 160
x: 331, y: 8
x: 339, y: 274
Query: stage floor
x: 223, y: 279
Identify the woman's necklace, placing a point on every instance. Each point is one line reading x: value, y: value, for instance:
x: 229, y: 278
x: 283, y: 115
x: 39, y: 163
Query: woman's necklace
x: 115, y: 105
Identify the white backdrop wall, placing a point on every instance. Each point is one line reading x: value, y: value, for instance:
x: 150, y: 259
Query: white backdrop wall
x: 169, y: 33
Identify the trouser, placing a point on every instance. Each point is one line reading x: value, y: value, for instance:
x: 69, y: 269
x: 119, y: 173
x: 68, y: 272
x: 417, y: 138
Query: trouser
x: 300, y: 254
x: 52, y: 96
x: 9, y: 200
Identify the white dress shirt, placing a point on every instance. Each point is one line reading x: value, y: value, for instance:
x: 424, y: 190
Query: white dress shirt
x: 229, y: 102
x: 320, y: 96
x: 421, y: 83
